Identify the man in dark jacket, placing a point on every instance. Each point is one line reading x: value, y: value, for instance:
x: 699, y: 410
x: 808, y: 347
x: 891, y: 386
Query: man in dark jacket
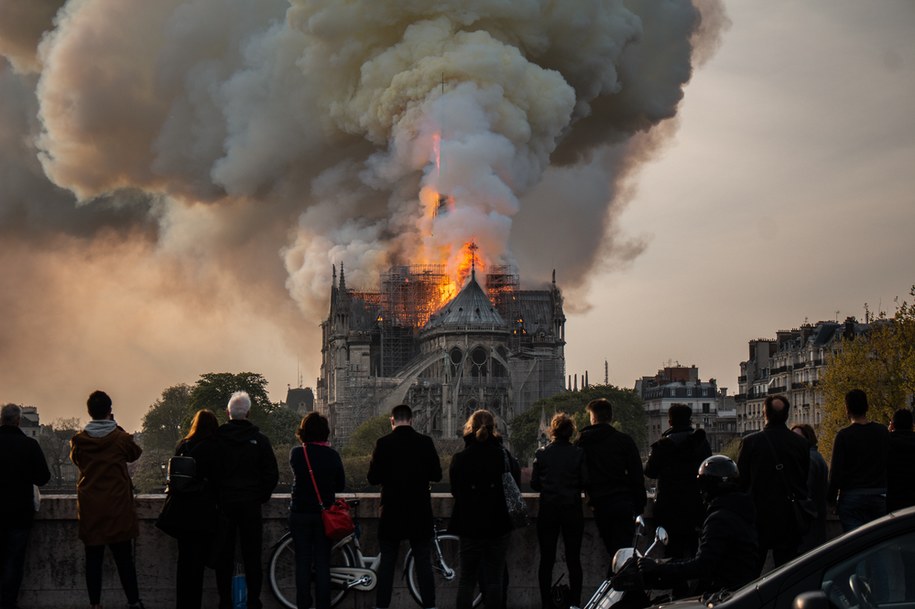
x: 616, y: 486
x: 404, y: 463
x: 726, y: 557
x: 22, y: 464
x: 900, y: 463
x: 247, y: 476
x: 773, y: 467
x: 674, y: 461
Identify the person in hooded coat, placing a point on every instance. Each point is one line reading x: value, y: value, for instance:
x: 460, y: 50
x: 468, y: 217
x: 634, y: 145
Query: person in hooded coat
x: 674, y: 461
x: 104, y: 498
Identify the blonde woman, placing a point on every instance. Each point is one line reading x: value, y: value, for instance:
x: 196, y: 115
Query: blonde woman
x: 480, y: 517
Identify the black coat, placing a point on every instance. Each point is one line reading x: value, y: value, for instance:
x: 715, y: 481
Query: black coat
x: 247, y: 466
x: 22, y: 464
x: 476, y: 484
x: 193, y: 512
x: 727, y: 556
x: 614, y: 466
x: 900, y: 471
x: 560, y: 474
x: 327, y: 468
x: 769, y: 488
x: 404, y: 463
x: 674, y: 461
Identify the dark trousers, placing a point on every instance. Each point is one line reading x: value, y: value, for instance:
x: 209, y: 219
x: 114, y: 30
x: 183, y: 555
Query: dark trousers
x: 615, y: 520
x: 422, y: 561
x: 122, y: 552
x: 193, y: 551
x: 486, y: 557
x: 552, y: 521
x: 243, y: 519
x: 856, y: 509
x: 312, y: 555
x: 782, y: 550
x: 13, y: 543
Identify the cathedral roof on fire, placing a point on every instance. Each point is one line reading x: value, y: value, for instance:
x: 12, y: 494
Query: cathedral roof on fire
x: 471, y: 309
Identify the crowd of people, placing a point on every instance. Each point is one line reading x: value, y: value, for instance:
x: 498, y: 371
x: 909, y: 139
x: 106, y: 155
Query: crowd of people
x: 724, y: 518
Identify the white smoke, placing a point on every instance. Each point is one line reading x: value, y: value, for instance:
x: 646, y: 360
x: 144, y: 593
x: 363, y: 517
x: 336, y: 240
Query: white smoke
x: 272, y: 139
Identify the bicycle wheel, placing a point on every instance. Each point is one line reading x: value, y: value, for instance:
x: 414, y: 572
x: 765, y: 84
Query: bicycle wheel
x: 445, y: 570
x: 282, y: 571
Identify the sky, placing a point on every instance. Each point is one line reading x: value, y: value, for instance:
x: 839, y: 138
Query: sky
x: 173, y: 206
x: 787, y: 195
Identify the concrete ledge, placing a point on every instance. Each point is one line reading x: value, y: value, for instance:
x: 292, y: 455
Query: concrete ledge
x: 55, y: 564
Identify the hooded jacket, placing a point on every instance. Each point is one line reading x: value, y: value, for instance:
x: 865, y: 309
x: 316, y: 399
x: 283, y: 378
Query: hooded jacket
x: 614, y: 466
x: 674, y: 461
x: 104, y: 491
x: 248, y: 472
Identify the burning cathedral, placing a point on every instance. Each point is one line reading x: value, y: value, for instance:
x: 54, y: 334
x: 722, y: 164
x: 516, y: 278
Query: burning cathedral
x: 446, y: 352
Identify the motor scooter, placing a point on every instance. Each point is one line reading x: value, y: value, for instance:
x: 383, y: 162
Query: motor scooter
x: 624, y: 590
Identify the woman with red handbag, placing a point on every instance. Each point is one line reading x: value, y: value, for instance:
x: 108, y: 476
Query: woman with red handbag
x: 318, y: 473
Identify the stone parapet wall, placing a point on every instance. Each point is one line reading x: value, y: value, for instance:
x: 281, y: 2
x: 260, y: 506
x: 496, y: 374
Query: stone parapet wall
x: 55, y: 564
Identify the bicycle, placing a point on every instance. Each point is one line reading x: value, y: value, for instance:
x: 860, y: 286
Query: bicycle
x: 351, y: 569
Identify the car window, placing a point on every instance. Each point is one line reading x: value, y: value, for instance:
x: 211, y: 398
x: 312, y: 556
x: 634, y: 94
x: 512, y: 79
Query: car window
x: 881, y: 576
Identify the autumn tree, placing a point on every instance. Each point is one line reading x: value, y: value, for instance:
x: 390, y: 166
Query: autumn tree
x: 881, y: 362
x: 628, y: 416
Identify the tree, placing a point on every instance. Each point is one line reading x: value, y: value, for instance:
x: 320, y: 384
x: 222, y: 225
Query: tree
x: 881, y: 362
x: 213, y: 390
x: 54, y: 440
x: 362, y: 441
x: 628, y: 416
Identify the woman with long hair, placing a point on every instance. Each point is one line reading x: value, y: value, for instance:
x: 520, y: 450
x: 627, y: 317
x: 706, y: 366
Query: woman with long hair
x: 480, y: 515
x: 559, y: 475
x: 314, y: 458
x: 196, y: 509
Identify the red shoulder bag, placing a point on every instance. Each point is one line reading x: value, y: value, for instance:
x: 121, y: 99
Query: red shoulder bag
x: 338, y: 522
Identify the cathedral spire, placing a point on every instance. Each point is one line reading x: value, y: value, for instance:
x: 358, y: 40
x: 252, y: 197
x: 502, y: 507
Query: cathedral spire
x: 342, y: 278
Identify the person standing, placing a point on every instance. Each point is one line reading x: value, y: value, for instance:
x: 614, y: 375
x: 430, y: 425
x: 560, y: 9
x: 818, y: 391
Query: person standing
x: 480, y: 516
x: 616, y: 485
x: 773, y: 466
x: 673, y: 461
x: 104, y: 498
x: 900, y: 462
x: 817, y: 481
x: 196, y: 509
x: 248, y: 475
x: 405, y: 463
x: 857, y: 474
x: 22, y: 465
x: 316, y: 466
x: 559, y: 474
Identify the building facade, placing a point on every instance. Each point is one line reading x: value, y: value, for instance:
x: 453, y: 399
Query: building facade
x: 792, y: 364
x: 498, y: 347
x: 712, y: 409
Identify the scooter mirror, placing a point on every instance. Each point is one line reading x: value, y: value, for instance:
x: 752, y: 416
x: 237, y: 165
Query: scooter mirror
x: 640, y: 523
x: 661, y: 535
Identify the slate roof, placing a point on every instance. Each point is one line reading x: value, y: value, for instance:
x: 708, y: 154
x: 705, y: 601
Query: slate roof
x: 471, y: 309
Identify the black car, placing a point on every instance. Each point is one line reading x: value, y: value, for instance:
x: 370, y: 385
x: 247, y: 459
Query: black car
x: 872, y: 567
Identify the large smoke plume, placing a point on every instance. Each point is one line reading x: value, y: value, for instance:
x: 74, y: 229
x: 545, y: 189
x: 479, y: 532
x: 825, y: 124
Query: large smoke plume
x: 179, y: 176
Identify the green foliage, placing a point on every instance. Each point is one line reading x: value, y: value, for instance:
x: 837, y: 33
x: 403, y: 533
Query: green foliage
x: 731, y: 449
x: 628, y: 416
x: 881, y: 362
x: 356, y: 468
x: 169, y: 418
x: 362, y: 441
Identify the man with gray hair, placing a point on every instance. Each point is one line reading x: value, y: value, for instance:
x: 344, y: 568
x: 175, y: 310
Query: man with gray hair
x: 22, y: 464
x: 247, y: 478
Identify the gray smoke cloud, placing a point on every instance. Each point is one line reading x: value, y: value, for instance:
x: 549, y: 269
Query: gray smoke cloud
x: 184, y: 167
